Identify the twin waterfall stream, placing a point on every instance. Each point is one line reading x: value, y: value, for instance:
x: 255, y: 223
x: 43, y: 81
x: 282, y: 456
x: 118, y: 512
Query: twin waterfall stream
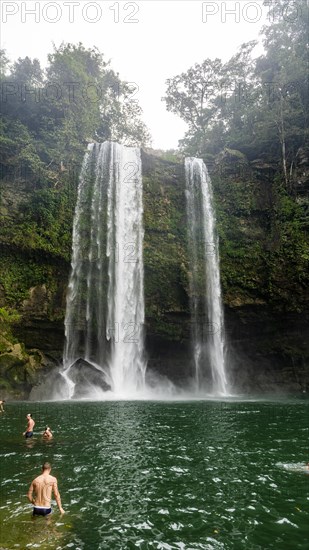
x: 206, y: 303
x: 104, y: 323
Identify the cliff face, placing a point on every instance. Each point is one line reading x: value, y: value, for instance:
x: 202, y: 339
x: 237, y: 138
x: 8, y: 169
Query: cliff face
x: 34, y: 269
x: 262, y: 271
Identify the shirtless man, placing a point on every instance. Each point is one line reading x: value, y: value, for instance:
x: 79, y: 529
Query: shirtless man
x: 43, y: 486
x: 2, y: 401
x: 48, y: 433
x: 30, y: 426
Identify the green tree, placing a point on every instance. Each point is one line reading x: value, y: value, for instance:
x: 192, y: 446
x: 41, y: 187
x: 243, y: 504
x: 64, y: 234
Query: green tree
x: 283, y: 73
x: 257, y: 106
x: 54, y: 113
x: 4, y: 63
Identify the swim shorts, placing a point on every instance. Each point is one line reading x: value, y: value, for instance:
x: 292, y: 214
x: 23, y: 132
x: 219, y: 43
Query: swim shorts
x: 41, y: 511
x: 28, y: 434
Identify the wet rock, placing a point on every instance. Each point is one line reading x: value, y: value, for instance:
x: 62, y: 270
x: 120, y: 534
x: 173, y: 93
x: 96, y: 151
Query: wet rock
x: 86, y: 376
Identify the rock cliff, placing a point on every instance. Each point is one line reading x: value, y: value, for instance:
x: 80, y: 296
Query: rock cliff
x: 261, y: 231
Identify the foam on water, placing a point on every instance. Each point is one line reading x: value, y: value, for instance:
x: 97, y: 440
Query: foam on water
x: 294, y: 467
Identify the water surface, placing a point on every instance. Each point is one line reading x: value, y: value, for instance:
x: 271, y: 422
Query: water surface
x: 160, y: 475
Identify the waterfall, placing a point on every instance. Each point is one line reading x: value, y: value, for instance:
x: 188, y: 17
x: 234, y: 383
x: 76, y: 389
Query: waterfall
x: 125, y: 316
x: 205, y: 289
x: 105, y: 300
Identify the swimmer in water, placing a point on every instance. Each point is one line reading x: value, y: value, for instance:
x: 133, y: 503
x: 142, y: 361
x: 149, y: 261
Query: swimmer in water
x: 30, y: 425
x: 43, y: 486
x: 48, y: 433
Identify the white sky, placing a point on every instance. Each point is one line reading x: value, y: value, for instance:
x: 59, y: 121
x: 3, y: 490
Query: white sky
x: 168, y: 37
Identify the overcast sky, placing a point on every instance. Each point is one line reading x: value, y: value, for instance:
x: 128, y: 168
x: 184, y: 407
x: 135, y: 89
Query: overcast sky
x: 147, y: 41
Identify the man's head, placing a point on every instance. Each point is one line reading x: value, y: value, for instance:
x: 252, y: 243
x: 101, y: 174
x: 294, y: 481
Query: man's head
x: 29, y: 415
x: 46, y: 467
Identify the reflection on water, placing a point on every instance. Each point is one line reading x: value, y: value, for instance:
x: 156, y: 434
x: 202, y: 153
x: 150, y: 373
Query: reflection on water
x: 170, y: 475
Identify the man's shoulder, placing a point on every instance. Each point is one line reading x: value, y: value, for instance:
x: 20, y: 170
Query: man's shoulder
x: 41, y: 478
x: 37, y: 479
x: 52, y: 479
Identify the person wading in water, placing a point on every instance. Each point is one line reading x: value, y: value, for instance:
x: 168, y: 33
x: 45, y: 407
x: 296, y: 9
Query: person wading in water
x: 47, y: 434
x: 43, y: 486
x: 30, y: 426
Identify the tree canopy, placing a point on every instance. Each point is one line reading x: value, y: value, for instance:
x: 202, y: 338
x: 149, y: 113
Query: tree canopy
x: 256, y: 105
x: 48, y: 117
x: 50, y: 114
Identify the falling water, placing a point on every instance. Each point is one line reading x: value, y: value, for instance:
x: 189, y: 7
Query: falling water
x: 206, y: 304
x: 105, y: 301
x: 125, y: 315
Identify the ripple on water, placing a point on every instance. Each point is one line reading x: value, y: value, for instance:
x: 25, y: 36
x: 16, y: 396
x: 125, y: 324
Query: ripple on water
x: 285, y: 520
x: 178, y: 470
x: 5, y: 455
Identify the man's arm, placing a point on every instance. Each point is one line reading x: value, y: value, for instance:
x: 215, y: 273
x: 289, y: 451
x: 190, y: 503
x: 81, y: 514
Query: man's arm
x: 30, y: 494
x: 28, y: 422
x: 57, y: 497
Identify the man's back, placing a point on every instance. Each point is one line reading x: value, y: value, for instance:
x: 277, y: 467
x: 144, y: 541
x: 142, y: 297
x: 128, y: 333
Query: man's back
x: 43, y: 486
